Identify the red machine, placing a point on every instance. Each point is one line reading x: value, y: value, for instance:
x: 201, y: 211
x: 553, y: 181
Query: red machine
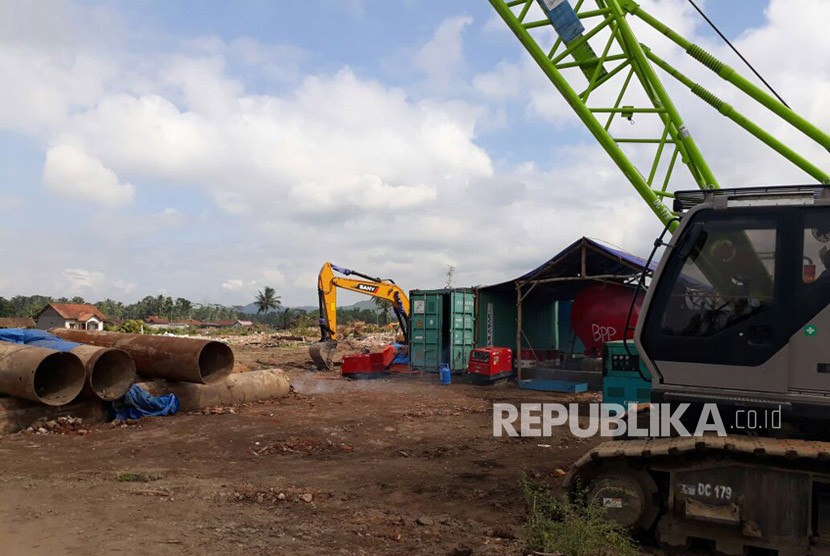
x: 489, y: 364
x: 368, y: 365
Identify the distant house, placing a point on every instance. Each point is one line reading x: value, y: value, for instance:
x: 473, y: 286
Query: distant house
x: 17, y: 322
x: 154, y: 321
x: 236, y: 323
x: 81, y: 316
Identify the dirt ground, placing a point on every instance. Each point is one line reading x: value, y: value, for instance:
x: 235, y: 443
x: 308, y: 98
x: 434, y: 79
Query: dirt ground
x: 402, y: 465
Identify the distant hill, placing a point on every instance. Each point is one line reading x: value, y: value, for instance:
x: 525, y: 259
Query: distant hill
x: 250, y: 309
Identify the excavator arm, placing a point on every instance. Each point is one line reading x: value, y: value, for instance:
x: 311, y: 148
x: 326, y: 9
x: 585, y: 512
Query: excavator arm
x: 327, y: 285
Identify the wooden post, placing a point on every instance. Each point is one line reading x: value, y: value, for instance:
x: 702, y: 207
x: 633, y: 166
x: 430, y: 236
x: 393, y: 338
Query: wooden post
x: 584, y: 272
x: 519, y: 331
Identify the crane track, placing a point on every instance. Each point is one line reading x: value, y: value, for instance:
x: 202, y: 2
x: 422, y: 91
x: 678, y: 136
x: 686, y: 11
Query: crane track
x: 719, y: 489
x: 790, y: 449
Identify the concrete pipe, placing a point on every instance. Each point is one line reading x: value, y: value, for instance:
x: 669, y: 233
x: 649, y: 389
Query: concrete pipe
x: 238, y: 388
x: 167, y: 357
x: 40, y: 374
x: 110, y: 372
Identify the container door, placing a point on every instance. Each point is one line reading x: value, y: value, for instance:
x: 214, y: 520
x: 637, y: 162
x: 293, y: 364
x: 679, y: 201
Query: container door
x: 425, y: 344
x: 462, y: 329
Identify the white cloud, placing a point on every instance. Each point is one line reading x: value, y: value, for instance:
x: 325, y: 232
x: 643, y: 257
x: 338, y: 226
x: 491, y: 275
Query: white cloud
x: 442, y: 57
x: 81, y: 281
x: 336, y: 140
x: 233, y: 285
x: 268, y: 183
x: 70, y: 172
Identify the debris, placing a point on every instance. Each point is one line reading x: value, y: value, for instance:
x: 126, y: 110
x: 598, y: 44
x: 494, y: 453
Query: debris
x: 151, y: 492
x: 501, y: 532
x: 424, y: 520
x: 118, y: 423
x: 559, y: 472
x: 307, y: 497
x: 137, y: 477
x: 218, y: 410
x: 61, y: 425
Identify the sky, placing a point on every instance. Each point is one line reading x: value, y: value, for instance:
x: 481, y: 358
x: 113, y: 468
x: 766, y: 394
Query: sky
x: 208, y: 149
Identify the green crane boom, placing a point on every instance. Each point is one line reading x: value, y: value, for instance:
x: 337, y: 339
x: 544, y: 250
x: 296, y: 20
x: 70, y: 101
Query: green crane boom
x: 624, y: 70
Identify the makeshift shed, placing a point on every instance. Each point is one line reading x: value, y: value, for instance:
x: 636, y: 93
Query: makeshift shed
x: 532, y: 312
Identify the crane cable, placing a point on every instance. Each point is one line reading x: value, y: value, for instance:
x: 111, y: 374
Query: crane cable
x: 745, y: 61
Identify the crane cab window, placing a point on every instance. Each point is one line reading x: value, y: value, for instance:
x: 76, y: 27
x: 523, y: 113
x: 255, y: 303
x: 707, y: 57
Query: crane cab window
x: 725, y: 276
x: 815, y: 254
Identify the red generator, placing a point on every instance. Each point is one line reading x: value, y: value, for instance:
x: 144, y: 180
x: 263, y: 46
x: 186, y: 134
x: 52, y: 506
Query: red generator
x: 489, y: 364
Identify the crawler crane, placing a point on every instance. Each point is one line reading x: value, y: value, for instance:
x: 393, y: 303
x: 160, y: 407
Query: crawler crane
x: 737, y: 313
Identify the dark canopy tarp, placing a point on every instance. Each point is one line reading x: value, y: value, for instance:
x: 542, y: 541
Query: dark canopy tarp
x: 583, y: 260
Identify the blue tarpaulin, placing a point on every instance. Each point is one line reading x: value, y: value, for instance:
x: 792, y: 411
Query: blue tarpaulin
x: 138, y: 403
x: 401, y: 355
x: 37, y: 338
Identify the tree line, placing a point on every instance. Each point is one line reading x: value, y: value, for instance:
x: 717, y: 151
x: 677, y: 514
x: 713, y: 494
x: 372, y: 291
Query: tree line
x: 180, y: 308
x: 160, y: 305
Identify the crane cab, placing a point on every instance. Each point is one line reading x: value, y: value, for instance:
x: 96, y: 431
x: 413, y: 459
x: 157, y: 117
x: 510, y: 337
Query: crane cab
x: 738, y: 307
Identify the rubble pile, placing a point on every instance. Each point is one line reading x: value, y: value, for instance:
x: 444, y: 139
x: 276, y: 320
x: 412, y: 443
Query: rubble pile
x: 61, y: 425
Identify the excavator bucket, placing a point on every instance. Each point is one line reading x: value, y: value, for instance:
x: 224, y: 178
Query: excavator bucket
x: 321, y: 352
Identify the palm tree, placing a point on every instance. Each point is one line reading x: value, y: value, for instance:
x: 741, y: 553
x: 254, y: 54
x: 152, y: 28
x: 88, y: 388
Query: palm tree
x: 267, y: 300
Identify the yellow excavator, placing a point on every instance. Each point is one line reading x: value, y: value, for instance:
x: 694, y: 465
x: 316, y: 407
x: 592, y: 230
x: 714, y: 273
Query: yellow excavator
x: 327, y: 284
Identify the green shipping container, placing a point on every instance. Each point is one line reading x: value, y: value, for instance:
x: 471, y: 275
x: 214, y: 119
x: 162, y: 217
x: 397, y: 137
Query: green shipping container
x: 442, y: 329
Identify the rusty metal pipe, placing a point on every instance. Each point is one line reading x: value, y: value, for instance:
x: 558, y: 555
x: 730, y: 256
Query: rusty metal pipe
x: 252, y: 386
x: 168, y: 357
x: 40, y: 374
x: 110, y: 372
